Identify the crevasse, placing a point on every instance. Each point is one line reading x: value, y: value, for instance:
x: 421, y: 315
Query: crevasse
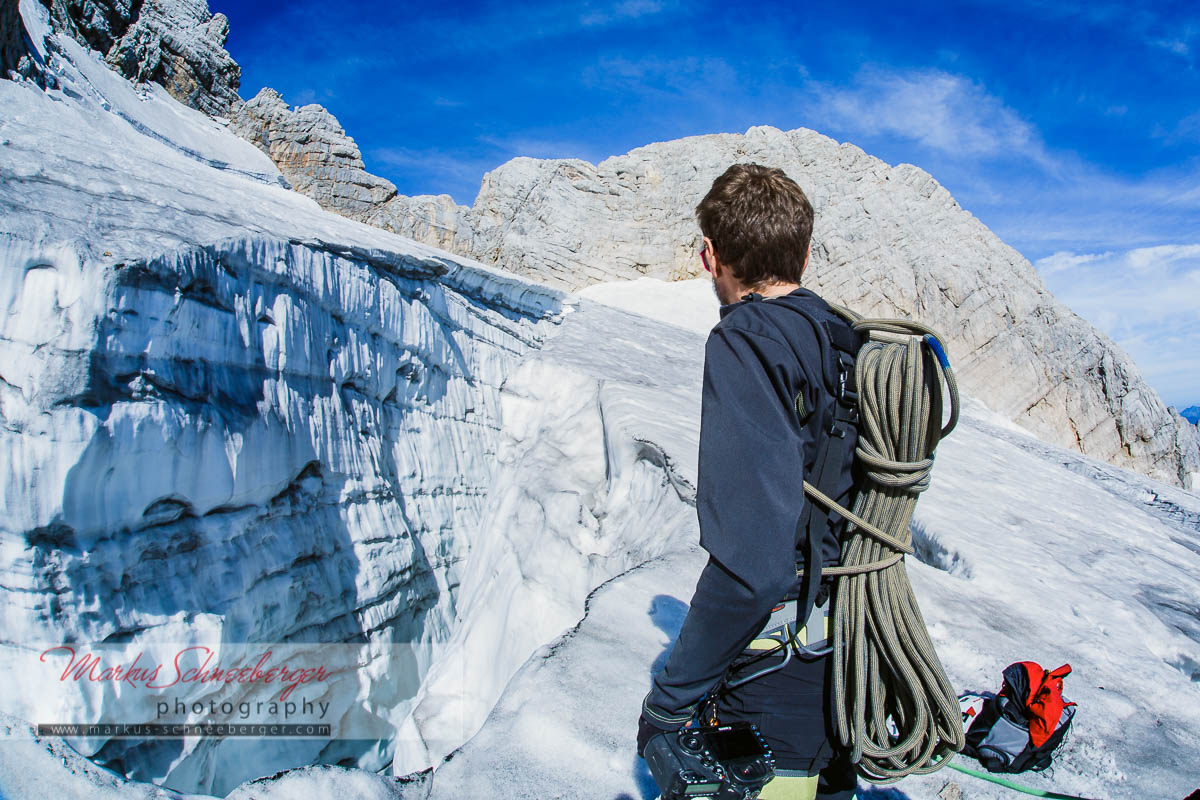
x: 278, y: 437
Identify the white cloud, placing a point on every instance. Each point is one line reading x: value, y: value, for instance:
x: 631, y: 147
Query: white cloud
x: 699, y: 76
x: 1186, y: 130
x: 1082, y: 208
x: 1174, y: 27
x: 509, y: 147
x: 939, y: 110
x: 1174, y: 45
x: 628, y: 9
x: 1064, y: 260
x: 1148, y: 300
x: 1155, y: 260
x: 455, y: 172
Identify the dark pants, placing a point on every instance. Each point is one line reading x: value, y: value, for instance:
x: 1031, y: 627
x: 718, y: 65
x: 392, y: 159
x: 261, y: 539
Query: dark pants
x: 791, y: 709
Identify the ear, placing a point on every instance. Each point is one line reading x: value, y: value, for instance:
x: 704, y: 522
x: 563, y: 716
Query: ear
x: 714, y: 260
x: 807, y: 256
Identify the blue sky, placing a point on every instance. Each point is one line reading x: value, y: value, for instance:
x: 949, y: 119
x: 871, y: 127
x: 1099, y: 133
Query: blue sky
x: 1072, y: 129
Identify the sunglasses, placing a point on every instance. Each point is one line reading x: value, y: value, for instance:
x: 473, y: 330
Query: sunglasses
x: 704, y: 258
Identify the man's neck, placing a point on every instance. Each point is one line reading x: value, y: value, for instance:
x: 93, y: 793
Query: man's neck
x: 777, y: 289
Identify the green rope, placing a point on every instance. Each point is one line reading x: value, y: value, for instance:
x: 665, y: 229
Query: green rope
x: 1009, y: 784
x: 886, y: 675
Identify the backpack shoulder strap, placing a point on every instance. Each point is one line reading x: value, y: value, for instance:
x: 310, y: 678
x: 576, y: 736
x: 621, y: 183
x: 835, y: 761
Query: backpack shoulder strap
x: 835, y: 434
x: 838, y: 344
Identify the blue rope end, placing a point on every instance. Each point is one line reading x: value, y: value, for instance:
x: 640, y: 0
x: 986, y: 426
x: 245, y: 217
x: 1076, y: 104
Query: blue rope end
x: 938, y: 350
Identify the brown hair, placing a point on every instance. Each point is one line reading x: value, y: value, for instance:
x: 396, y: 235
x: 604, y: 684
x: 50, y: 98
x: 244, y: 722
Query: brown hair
x: 760, y: 224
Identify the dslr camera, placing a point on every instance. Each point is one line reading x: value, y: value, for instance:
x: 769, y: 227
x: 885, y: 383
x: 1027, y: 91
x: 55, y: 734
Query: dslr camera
x: 725, y: 762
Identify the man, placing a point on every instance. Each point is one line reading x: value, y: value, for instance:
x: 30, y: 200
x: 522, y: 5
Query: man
x: 765, y: 407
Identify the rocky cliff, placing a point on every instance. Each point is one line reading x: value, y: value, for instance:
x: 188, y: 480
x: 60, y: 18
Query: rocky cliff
x: 176, y: 43
x: 314, y: 154
x: 14, y: 55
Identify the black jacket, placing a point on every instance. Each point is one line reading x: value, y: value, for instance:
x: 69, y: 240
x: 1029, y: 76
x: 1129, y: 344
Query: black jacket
x: 754, y: 456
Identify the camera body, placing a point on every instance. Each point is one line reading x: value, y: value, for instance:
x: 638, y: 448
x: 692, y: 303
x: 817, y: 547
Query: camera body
x: 725, y: 762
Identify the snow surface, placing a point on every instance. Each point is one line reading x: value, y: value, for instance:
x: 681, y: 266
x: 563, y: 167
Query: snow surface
x: 503, y: 489
x: 690, y: 304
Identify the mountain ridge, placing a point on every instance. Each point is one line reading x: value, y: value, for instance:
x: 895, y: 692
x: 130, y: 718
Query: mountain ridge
x: 888, y: 241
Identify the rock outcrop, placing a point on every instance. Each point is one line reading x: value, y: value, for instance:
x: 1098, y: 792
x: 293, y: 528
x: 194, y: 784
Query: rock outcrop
x: 99, y: 24
x: 314, y: 154
x: 176, y: 43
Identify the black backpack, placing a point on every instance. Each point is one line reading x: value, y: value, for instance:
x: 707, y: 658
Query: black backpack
x: 817, y: 533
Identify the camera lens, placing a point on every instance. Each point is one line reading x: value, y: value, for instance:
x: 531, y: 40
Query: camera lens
x: 749, y: 772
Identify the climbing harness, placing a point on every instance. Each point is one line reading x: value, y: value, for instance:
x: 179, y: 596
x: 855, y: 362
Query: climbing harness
x: 781, y: 633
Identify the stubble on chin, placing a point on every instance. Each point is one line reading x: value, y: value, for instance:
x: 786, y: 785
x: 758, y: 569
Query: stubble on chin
x: 716, y: 291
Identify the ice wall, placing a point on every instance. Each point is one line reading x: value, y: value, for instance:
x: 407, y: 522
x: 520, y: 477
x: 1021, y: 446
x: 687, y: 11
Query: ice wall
x: 226, y: 414
x: 287, y: 441
x: 596, y: 475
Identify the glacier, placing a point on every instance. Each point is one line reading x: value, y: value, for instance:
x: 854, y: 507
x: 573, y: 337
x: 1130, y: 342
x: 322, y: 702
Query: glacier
x: 231, y: 417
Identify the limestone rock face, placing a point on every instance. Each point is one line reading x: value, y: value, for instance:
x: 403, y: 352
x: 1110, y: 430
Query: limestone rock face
x: 889, y: 241
x: 176, y: 43
x: 96, y: 24
x: 12, y: 48
x: 314, y: 153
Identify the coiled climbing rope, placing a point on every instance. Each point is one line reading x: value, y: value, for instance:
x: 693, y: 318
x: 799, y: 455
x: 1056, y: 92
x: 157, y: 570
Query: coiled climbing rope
x: 893, y: 705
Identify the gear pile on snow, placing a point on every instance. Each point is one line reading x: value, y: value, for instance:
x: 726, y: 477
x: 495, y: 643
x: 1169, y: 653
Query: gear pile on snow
x: 1020, y: 728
